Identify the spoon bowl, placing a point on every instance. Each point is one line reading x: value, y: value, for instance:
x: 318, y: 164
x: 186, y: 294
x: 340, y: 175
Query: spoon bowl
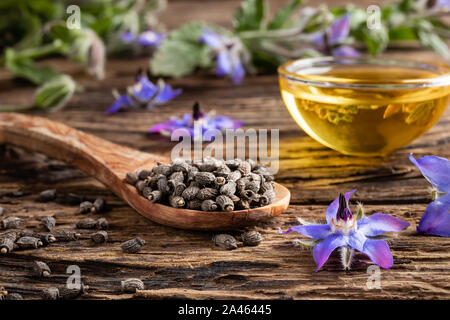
x: 109, y: 163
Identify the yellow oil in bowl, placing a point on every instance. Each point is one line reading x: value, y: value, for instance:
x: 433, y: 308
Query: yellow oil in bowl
x: 364, y: 107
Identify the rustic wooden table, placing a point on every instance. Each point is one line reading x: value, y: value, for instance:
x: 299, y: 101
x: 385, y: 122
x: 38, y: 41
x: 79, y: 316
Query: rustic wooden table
x: 177, y: 263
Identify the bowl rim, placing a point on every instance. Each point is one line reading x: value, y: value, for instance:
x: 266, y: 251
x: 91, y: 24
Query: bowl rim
x: 442, y: 79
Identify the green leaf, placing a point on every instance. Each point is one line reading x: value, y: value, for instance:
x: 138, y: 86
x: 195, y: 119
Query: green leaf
x: 283, y: 15
x: 25, y: 68
x: 402, y: 33
x: 432, y: 40
x: 181, y: 53
x: 55, y: 93
x: 250, y: 15
x: 376, y: 39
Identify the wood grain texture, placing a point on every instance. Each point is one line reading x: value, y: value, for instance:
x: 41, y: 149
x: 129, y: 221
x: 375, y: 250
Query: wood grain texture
x: 178, y: 263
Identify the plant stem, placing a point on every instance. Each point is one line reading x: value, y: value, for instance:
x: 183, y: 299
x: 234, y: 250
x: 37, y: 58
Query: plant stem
x: 10, y: 108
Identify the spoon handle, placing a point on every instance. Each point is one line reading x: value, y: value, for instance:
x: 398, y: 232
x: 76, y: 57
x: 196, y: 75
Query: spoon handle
x: 101, y: 159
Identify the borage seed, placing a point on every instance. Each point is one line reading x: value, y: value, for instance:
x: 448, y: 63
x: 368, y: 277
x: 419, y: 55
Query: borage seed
x: 131, y: 178
x: 41, y: 269
x: 98, y: 205
x: 99, y: 237
x: 6, y: 245
x: 47, y: 195
x: 204, y: 178
x: 131, y: 285
x: 49, y: 223
x: 133, y: 245
x: 228, y: 189
x: 102, y: 224
x: 176, y: 201
x: 225, y: 203
x: 13, y: 296
x: 207, y: 193
x: 87, y: 223
x: 28, y: 243
x: 225, y: 241
x: 209, y: 205
x: 85, y: 207
x: 10, y: 223
x: 155, y: 196
x: 51, y: 293
x: 66, y: 235
x: 194, y: 204
x: 190, y: 192
x: 251, y: 238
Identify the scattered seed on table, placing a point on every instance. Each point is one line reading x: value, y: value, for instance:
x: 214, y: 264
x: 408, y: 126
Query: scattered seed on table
x: 132, y: 285
x: 49, y: 223
x: 102, y: 224
x: 6, y: 245
x: 85, y: 207
x: 133, y: 245
x: 100, y: 237
x: 68, y: 294
x: 29, y: 243
x: 251, y: 238
x: 51, y: 293
x: 66, y: 235
x: 13, y: 296
x: 98, y: 205
x: 10, y: 223
x: 225, y: 241
x: 87, y: 223
x: 41, y: 269
x: 46, y: 238
x: 9, y: 234
x: 47, y: 195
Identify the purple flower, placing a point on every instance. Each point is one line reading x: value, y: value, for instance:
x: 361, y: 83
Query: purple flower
x: 197, y: 125
x: 436, y: 219
x: 228, y: 53
x: 347, y: 232
x: 144, y: 94
x: 331, y: 41
x: 127, y: 37
x: 150, y: 38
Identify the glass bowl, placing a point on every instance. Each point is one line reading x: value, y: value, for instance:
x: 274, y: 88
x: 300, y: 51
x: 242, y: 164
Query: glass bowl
x: 364, y: 107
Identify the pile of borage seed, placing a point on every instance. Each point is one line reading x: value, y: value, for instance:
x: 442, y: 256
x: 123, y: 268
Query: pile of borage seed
x: 208, y: 185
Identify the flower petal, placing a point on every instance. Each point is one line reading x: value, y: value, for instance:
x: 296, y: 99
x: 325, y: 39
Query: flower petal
x: 322, y: 250
x: 314, y: 231
x: 380, y: 223
x: 436, y: 219
x: 436, y: 170
x: 317, y: 38
x: 339, y: 30
x: 334, y: 206
x: 127, y: 37
x: 144, y: 89
x: 345, y: 51
x: 150, y: 38
x: 212, y: 39
x: 238, y: 72
x: 378, y: 251
x: 166, y: 94
x: 224, y: 65
x: 122, y: 102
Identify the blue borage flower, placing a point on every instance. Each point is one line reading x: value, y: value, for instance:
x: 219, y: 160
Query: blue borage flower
x: 436, y: 219
x: 228, y: 53
x: 188, y: 124
x: 331, y: 40
x: 148, y: 38
x: 348, y: 232
x: 143, y: 94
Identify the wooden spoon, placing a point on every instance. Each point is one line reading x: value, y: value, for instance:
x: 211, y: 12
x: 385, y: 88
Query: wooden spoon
x: 109, y: 163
